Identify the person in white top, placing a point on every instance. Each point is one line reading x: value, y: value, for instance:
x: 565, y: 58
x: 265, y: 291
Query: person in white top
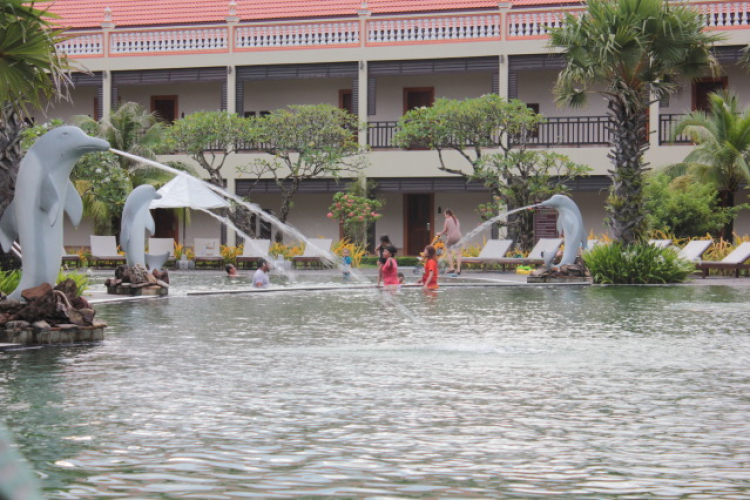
x: 260, y: 278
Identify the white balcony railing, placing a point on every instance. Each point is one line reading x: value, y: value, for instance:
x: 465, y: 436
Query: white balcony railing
x: 188, y: 40
x: 83, y: 45
x: 533, y: 24
x: 724, y: 14
x: 297, y: 35
x: 434, y: 29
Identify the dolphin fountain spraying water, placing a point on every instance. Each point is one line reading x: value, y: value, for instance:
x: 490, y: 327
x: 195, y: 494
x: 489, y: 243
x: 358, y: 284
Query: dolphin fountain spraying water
x: 136, y: 220
x: 43, y: 192
x: 570, y: 224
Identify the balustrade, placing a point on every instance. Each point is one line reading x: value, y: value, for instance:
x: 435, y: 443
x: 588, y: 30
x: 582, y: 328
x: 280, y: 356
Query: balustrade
x: 296, y: 35
x: 83, y: 45
x: 193, y: 40
x: 667, y: 126
x: 481, y: 27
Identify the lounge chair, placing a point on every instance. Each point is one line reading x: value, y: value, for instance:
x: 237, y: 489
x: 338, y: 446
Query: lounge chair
x: 252, y: 251
x: 735, y: 261
x: 493, y: 251
x: 660, y: 243
x: 104, y: 251
x: 160, y: 252
x: 72, y: 259
x: 544, y: 245
x: 208, y: 250
x: 315, y: 252
x: 694, y: 250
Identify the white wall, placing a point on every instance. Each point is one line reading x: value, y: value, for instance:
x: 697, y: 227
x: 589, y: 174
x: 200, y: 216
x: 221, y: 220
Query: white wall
x: 273, y: 95
x: 389, y: 90
x: 191, y: 97
x: 536, y: 87
x: 81, y: 103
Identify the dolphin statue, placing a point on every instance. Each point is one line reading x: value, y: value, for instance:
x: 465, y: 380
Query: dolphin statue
x: 43, y: 192
x: 136, y: 220
x: 570, y: 224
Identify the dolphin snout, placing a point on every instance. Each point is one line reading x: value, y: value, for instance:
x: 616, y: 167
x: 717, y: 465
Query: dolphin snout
x: 157, y: 196
x: 94, y: 144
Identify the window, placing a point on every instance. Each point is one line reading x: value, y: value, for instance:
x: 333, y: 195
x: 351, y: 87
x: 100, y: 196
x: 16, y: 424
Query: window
x: 702, y: 89
x: 417, y: 97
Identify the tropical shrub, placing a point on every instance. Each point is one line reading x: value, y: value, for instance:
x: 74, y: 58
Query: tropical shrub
x: 9, y: 280
x: 179, y: 249
x: 636, y: 264
x: 229, y: 254
x: 287, y: 251
x: 685, y: 207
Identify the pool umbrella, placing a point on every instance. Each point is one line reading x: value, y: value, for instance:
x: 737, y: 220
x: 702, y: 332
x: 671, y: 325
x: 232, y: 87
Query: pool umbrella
x: 185, y: 191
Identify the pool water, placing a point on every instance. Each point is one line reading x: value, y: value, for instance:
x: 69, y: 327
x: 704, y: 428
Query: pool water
x: 508, y: 392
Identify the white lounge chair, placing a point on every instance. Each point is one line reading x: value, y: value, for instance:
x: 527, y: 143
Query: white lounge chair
x: 253, y: 250
x: 208, y: 250
x: 160, y: 252
x: 735, y: 261
x: 493, y: 251
x: 660, y: 243
x: 104, y: 250
x: 72, y: 259
x: 543, y: 246
x: 694, y: 250
x: 315, y: 251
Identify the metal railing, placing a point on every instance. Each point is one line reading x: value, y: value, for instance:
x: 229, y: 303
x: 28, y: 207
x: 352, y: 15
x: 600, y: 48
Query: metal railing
x: 380, y: 134
x: 667, y: 126
x: 574, y: 131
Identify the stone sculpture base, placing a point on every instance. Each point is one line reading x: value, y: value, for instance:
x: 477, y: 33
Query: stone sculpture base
x: 561, y: 279
x: 23, y: 333
x: 137, y: 291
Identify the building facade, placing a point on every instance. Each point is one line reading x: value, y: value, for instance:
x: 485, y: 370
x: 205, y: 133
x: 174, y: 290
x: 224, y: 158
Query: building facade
x: 378, y: 59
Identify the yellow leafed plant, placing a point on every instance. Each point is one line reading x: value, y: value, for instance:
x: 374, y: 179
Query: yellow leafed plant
x: 287, y: 251
x: 356, y: 252
x: 229, y: 254
x: 179, y: 249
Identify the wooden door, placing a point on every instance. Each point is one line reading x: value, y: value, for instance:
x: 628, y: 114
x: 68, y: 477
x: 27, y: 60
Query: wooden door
x: 418, y: 222
x: 165, y: 107
x: 417, y: 97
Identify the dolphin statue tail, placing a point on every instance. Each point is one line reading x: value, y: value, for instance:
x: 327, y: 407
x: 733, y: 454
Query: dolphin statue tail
x: 8, y: 229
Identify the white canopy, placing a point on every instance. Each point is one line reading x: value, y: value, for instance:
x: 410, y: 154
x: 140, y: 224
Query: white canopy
x: 187, y: 191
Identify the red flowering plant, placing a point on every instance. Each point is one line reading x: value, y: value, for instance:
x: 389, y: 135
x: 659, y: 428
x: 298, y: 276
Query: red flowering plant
x: 355, y: 213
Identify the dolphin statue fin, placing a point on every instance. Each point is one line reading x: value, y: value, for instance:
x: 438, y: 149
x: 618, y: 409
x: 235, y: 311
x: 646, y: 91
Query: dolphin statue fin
x: 8, y: 229
x: 73, y: 204
x: 49, y: 199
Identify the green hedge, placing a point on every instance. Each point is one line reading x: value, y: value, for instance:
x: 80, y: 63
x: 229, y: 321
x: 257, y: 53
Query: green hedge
x: 636, y: 264
x: 371, y: 260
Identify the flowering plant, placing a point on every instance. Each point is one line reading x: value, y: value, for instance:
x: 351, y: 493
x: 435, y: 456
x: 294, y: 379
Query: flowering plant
x: 356, y: 213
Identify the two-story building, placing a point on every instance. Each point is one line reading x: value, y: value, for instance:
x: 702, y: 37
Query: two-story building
x: 377, y: 58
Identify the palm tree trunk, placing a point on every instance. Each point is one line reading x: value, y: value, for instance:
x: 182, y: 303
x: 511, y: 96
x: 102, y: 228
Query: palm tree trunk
x: 625, y: 204
x: 11, y: 126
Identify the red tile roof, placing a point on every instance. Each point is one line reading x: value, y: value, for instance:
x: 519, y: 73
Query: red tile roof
x: 90, y: 13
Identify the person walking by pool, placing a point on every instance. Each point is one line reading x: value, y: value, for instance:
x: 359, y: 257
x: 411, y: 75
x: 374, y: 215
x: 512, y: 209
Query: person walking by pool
x: 430, y: 276
x: 260, y: 278
x: 389, y: 270
x: 384, y: 242
x: 346, y: 264
x: 452, y: 232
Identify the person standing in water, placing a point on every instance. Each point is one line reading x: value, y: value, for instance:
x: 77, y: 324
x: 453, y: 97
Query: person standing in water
x: 384, y: 242
x: 430, y: 276
x: 389, y: 271
x: 452, y: 232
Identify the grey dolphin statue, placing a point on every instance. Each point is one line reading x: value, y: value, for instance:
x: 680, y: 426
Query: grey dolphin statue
x: 570, y: 224
x: 43, y: 192
x: 136, y: 220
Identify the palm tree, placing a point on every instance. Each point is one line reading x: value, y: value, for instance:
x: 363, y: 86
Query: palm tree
x: 32, y: 72
x: 105, y: 179
x: 635, y: 51
x: 721, y: 158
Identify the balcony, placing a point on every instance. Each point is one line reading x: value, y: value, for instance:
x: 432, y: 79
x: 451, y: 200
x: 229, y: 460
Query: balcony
x: 667, y: 125
x: 574, y: 131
